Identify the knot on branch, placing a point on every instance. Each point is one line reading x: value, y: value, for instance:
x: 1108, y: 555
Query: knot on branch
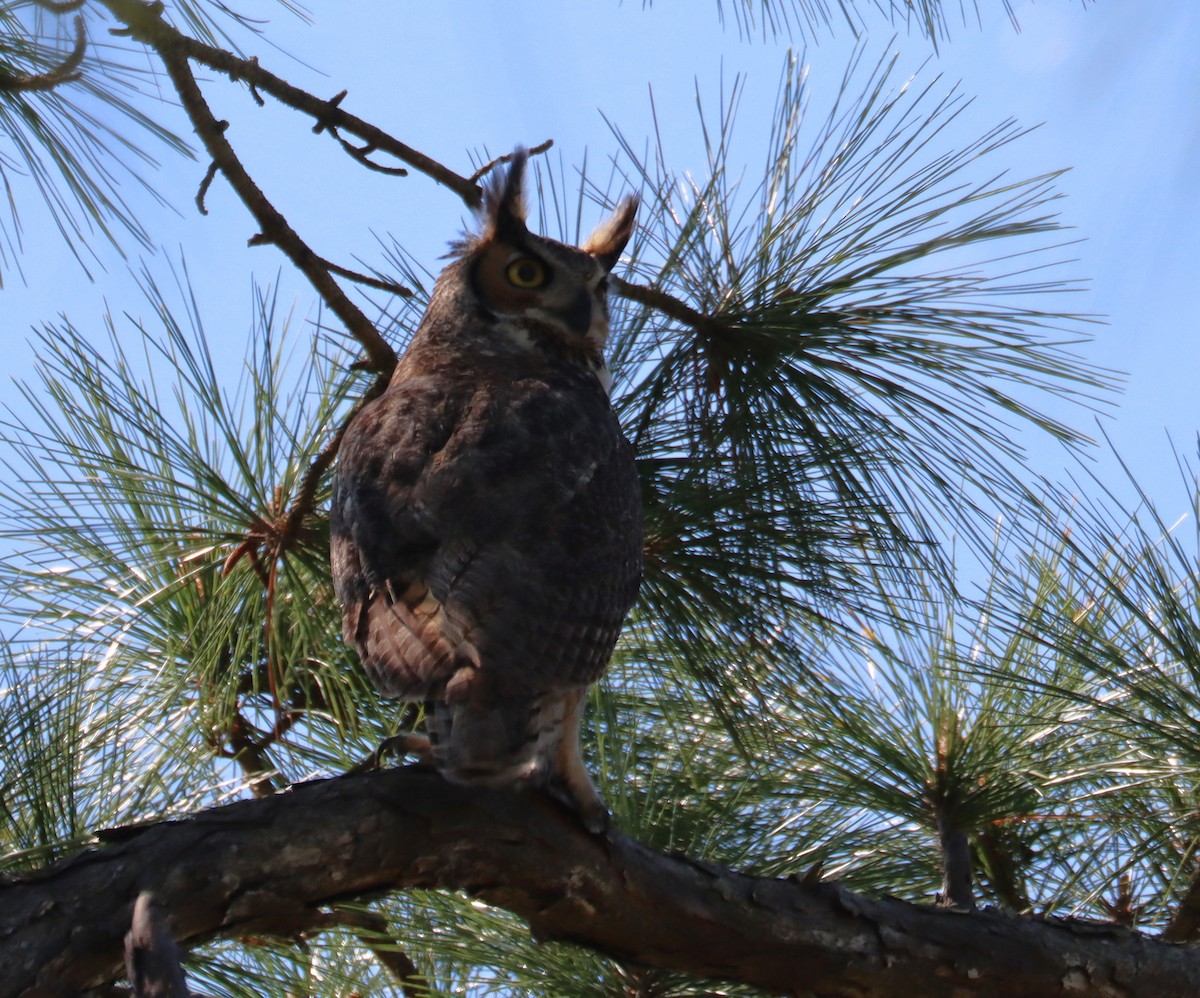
x: 269, y: 537
x: 324, y: 117
x: 362, y: 154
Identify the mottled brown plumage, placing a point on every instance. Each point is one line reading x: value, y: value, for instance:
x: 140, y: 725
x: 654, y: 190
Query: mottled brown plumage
x: 486, y: 517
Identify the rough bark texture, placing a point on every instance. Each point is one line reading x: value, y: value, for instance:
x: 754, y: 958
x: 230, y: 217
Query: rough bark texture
x: 269, y: 865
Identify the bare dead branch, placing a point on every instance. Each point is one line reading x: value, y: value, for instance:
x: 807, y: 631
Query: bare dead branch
x: 143, y: 23
x: 487, y: 167
x: 264, y: 866
x: 64, y: 72
x: 667, y: 304
x: 274, y: 227
x: 378, y: 283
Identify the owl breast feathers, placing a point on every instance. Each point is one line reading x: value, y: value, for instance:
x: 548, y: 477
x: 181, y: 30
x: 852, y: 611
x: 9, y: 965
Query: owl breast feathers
x: 486, y: 521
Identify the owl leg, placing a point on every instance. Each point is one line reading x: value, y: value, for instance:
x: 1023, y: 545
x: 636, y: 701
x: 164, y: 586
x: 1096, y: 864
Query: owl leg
x: 570, y: 778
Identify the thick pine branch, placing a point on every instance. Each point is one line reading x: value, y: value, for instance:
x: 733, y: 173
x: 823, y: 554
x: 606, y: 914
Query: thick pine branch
x: 275, y: 865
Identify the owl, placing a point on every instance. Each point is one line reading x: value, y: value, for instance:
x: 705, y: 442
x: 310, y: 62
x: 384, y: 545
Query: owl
x: 486, y: 535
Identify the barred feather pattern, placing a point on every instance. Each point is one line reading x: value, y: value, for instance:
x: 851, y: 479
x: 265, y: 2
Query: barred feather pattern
x: 486, y: 519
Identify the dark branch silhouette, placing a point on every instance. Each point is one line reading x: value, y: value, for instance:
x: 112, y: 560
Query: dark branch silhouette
x: 266, y: 866
x: 64, y: 72
x: 143, y: 22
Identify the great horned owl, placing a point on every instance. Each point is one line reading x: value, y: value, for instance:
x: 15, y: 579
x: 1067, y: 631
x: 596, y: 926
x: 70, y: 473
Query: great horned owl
x: 486, y: 522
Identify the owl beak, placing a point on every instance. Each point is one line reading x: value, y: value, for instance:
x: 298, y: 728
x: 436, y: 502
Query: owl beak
x: 577, y: 314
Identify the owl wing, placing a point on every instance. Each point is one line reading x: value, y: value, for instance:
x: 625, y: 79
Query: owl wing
x: 486, y: 522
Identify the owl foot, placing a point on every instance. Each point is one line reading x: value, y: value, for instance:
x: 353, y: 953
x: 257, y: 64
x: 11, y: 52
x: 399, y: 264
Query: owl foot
x: 398, y: 746
x: 591, y: 810
x: 569, y: 780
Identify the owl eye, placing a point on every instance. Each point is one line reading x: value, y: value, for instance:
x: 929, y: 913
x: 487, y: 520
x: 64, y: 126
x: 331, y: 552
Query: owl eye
x: 527, y: 272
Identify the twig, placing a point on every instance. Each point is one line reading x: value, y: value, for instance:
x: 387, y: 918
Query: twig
x: 391, y: 287
x: 277, y: 532
x: 209, y: 175
x: 143, y: 24
x: 64, y: 72
x: 507, y: 158
x: 251, y: 755
x: 274, y: 227
x: 660, y: 301
x: 362, y: 155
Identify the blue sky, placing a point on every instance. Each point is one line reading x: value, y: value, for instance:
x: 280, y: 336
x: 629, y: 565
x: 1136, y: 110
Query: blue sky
x: 1111, y: 84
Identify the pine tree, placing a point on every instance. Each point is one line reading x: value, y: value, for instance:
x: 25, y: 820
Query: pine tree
x: 819, y: 365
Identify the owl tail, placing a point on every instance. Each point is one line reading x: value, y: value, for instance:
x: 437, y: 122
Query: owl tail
x: 533, y: 740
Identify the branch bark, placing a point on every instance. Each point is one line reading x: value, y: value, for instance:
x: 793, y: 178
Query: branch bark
x: 271, y: 865
x: 1185, y: 923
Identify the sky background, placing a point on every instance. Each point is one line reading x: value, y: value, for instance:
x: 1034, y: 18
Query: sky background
x: 1111, y: 85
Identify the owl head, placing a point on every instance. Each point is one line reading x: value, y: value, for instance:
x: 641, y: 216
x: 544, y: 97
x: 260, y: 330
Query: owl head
x: 537, y: 293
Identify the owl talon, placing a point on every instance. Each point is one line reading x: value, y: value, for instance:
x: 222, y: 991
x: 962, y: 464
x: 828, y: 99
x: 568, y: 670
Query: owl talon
x: 591, y: 812
x: 398, y: 746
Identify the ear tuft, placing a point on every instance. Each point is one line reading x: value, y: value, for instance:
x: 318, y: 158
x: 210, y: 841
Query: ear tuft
x: 504, y: 210
x: 610, y: 237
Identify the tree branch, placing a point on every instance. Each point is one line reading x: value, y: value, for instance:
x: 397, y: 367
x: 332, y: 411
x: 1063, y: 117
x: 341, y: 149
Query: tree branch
x: 274, y: 227
x: 667, y: 304
x: 1184, y: 925
x: 268, y: 865
x: 64, y: 72
x: 146, y: 25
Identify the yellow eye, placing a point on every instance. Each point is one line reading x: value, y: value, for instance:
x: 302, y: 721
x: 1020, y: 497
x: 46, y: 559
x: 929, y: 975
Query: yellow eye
x: 526, y: 272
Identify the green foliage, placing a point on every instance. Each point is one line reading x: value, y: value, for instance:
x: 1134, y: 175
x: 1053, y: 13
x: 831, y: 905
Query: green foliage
x: 79, y: 144
x: 810, y: 18
x: 865, y: 347
x: 126, y: 505
x: 83, y: 144
x: 1122, y: 579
